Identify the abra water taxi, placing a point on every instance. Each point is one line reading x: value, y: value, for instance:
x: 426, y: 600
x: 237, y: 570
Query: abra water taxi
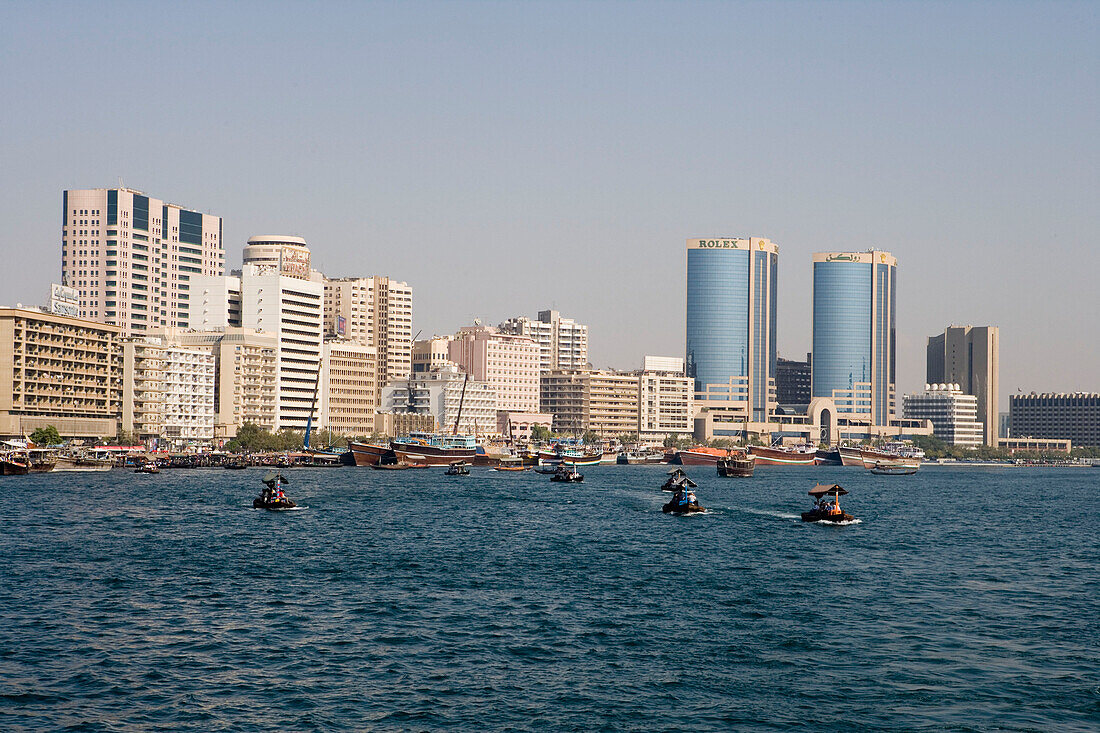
x: 825, y: 510
x: 272, y: 496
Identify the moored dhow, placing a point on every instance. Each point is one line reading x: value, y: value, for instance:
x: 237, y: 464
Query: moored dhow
x: 434, y: 449
x: 371, y: 454
x: 793, y: 456
x: 699, y: 455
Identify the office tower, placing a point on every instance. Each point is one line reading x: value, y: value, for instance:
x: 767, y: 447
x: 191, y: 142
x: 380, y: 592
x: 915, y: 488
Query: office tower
x: 132, y: 257
x: 954, y: 414
x: 731, y: 326
x: 968, y: 356
x: 793, y: 380
x: 290, y: 308
x: 377, y: 312
x: 1071, y: 416
x: 563, y: 343
x: 58, y: 370
x: 348, y: 392
x: 854, y: 334
x: 508, y: 363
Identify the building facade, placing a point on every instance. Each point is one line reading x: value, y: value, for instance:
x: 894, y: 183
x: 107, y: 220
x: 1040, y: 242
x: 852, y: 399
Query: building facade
x: 665, y: 399
x: 376, y: 312
x: 431, y: 354
x: 349, y: 392
x: 441, y: 395
x: 1071, y: 416
x: 167, y: 392
x: 793, y: 381
x: 563, y: 394
x: 968, y: 356
x: 613, y: 402
x: 563, y: 343
x: 508, y: 363
x: 58, y: 370
x: 954, y: 414
x: 132, y: 257
x: 731, y: 324
x: 854, y: 334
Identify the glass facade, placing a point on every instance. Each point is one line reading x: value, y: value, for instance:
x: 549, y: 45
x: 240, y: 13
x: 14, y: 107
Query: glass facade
x: 854, y: 333
x: 112, y: 207
x: 141, y: 212
x: 190, y: 227
x: 717, y: 315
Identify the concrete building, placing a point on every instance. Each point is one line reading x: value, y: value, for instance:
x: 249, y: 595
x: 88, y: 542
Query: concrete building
x: 289, y: 307
x: 607, y: 402
x: 58, y: 370
x: 613, y: 402
x: 954, y: 414
x: 563, y: 394
x: 793, y: 380
x: 132, y: 257
x: 508, y: 363
x: 283, y: 254
x: 968, y: 356
x: 516, y: 426
x: 377, y: 312
x: 665, y: 399
x: 563, y: 343
x: 167, y: 392
x: 431, y: 354
x: 440, y: 394
x: 244, y: 375
x: 854, y: 327
x: 731, y: 324
x: 348, y: 392
x: 1073, y: 416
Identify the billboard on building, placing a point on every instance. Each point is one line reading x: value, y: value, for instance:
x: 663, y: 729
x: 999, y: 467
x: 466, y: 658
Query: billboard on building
x: 64, y: 301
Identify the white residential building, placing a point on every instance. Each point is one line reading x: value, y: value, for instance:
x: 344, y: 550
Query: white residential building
x: 440, y: 394
x: 168, y: 392
x: 377, y: 312
x: 563, y: 343
x: 132, y: 257
x: 509, y: 363
x: 954, y: 414
x: 665, y: 399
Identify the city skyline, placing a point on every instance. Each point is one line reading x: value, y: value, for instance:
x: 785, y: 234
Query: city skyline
x: 495, y: 182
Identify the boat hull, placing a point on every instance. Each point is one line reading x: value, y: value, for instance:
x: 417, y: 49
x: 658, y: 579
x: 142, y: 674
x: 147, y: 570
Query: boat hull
x: 82, y: 464
x: 830, y: 457
x: 674, y: 507
x: 698, y: 457
x: 850, y: 456
x: 777, y: 457
x: 736, y: 468
x: 370, y: 454
x: 12, y: 468
x: 826, y: 517
x: 431, y: 455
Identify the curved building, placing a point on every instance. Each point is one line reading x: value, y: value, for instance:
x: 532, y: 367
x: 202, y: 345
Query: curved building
x: 288, y: 255
x: 854, y: 327
x: 731, y: 326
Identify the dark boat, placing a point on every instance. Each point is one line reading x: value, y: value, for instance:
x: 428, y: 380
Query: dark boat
x: 14, y: 464
x: 737, y: 465
x: 399, y: 466
x: 369, y: 454
x: 683, y: 502
x: 546, y: 471
x: 41, y: 459
x: 825, y: 511
x: 828, y: 457
x: 272, y: 496
x: 236, y: 464
x: 567, y: 475
x: 884, y: 468
x: 458, y: 468
x: 677, y: 481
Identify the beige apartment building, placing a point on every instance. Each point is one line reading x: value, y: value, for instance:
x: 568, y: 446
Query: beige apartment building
x: 508, y: 363
x: 665, y: 399
x: 563, y: 343
x: 612, y: 402
x: 348, y: 390
x: 244, y: 375
x: 968, y: 356
x: 376, y: 312
x: 132, y: 257
x: 167, y: 392
x: 58, y: 370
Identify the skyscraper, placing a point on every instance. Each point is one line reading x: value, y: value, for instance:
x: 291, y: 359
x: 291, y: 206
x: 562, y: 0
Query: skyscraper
x: 854, y: 327
x: 968, y: 356
x: 731, y: 326
x: 131, y: 257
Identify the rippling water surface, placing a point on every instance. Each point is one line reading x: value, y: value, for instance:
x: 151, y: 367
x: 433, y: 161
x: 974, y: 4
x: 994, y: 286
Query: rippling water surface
x: 966, y: 599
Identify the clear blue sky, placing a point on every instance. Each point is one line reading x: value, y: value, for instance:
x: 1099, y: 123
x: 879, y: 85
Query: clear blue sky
x: 508, y: 157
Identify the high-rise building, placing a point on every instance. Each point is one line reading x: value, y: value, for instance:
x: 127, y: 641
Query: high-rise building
x: 284, y: 254
x: 793, y: 380
x: 263, y: 298
x: 612, y: 402
x: 58, y: 370
x: 132, y: 257
x: 563, y: 343
x: 349, y: 395
x: 968, y: 356
x: 377, y: 312
x: 1071, y: 416
x: 167, y: 392
x: 954, y: 414
x: 508, y: 363
x: 854, y: 326
x: 731, y: 324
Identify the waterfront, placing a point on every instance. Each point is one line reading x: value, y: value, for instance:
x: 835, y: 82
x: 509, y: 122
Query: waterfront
x: 964, y: 600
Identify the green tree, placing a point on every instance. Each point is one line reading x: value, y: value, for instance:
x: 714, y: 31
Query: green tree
x: 46, y: 436
x: 720, y: 443
x: 590, y: 437
x: 539, y: 433
x: 625, y: 438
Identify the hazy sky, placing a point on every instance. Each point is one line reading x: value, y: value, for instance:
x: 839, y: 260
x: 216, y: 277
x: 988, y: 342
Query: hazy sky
x: 508, y: 157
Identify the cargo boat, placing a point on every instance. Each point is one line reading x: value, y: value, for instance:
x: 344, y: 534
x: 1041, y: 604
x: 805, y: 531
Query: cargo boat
x: 434, y: 449
x: 794, y: 456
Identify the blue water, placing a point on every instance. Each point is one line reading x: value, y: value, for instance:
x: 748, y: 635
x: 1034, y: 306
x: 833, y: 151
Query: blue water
x: 966, y: 599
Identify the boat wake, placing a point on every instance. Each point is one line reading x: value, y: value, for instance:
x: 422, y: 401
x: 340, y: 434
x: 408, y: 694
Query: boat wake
x: 765, y: 513
x: 837, y: 524
x: 283, y: 509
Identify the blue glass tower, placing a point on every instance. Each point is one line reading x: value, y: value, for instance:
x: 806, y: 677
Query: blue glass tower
x: 855, y: 298
x: 731, y: 326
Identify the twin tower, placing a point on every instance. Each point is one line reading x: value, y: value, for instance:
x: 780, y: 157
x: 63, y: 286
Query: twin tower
x: 731, y: 329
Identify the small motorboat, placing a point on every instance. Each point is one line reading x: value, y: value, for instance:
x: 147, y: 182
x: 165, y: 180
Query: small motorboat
x: 677, y: 480
x: 458, y: 468
x: 568, y: 475
x: 236, y: 464
x: 510, y: 464
x: 882, y: 468
x: 148, y: 467
x: 546, y: 471
x: 683, y: 502
x: 272, y: 496
x: 737, y: 464
x: 825, y: 510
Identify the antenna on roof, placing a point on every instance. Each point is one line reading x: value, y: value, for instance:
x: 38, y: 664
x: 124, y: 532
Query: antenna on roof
x: 120, y: 184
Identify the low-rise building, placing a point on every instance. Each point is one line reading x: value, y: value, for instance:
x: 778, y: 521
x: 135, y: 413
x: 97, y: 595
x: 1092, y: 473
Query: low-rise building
x: 954, y: 414
x: 443, y: 394
x: 58, y: 370
x: 665, y: 399
x: 1073, y: 416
